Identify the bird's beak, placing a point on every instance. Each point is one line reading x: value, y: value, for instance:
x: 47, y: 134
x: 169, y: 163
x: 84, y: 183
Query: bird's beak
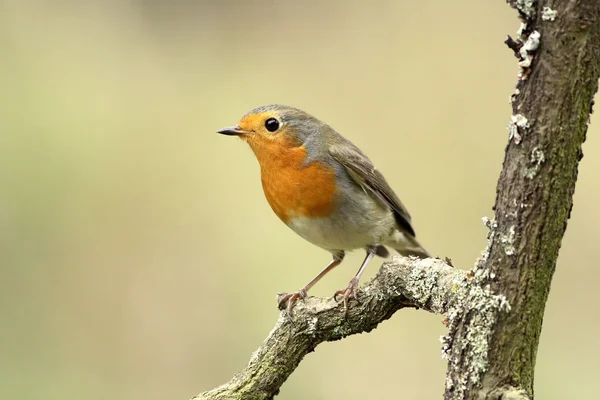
x: 232, y: 131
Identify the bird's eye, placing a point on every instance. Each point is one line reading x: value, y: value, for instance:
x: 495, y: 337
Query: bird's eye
x: 272, y: 124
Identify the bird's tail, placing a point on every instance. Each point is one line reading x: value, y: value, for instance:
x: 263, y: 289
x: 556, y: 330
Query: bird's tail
x: 413, y: 248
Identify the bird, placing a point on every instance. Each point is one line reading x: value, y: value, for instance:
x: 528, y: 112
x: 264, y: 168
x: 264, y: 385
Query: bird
x: 326, y: 190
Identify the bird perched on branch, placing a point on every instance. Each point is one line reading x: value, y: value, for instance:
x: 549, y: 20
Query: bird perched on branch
x: 326, y: 190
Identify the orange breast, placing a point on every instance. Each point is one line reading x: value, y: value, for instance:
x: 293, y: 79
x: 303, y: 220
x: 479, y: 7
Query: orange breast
x: 290, y: 187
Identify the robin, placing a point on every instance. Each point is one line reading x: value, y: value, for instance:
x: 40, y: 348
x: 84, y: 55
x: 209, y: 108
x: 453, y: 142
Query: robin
x: 326, y: 190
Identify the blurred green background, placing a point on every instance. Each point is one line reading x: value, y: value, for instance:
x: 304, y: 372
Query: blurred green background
x: 139, y: 259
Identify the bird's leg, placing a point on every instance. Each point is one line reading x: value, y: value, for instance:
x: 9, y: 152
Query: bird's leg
x: 291, y: 298
x: 351, y: 292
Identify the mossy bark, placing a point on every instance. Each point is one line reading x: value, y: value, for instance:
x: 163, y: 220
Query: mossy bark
x: 534, y: 196
x: 425, y: 284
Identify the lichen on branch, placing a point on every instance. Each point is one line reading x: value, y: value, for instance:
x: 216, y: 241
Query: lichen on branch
x: 429, y: 284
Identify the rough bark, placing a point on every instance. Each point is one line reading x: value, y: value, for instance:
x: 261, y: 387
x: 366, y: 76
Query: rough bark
x: 403, y: 282
x: 492, y: 350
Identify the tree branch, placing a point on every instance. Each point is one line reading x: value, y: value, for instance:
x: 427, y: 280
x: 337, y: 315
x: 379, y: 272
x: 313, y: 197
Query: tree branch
x: 429, y: 284
x: 491, y: 348
x: 494, y: 312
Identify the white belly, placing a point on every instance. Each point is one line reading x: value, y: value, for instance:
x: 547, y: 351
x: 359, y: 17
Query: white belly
x: 343, y: 234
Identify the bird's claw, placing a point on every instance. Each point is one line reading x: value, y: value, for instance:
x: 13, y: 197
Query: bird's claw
x: 351, y: 292
x: 287, y: 301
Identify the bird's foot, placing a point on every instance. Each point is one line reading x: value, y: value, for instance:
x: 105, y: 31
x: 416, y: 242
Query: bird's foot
x: 351, y: 292
x: 288, y: 300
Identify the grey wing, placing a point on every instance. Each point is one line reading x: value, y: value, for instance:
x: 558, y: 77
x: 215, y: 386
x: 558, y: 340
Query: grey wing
x: 363, y: 172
